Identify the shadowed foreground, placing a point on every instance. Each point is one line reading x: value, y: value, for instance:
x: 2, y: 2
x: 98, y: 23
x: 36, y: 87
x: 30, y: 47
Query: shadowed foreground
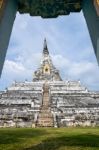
x: 50, y: 139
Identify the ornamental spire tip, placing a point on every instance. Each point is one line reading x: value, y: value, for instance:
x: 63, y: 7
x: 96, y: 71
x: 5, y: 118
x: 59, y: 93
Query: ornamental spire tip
x: 45, y: 49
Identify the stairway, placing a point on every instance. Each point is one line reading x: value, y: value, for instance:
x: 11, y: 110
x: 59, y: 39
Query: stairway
x: 45, y: 117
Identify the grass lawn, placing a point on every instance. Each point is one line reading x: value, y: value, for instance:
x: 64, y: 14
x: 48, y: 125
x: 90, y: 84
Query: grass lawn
x: 49, y: 139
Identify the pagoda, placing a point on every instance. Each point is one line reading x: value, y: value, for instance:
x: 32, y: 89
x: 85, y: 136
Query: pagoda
x: 48, y: 101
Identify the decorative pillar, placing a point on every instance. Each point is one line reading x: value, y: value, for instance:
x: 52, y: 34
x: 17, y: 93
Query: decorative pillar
x: 91, y: 13
x: 8, y: 9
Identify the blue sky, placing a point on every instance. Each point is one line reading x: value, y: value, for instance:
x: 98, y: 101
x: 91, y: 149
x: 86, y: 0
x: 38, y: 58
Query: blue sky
x: 69, y: 46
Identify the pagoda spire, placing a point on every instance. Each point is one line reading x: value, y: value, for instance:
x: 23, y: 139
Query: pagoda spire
x: 46, y: 71
x: 45, y: 49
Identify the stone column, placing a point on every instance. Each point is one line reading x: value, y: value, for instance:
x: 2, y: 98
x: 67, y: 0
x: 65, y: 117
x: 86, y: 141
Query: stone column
x: 8, y: 9
x: 91, y: 13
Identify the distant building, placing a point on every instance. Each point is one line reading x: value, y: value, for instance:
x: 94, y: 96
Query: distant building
x: 48, y: 101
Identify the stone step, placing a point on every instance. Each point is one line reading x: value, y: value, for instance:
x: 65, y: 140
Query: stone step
x: 45, y: 118
x: 45, y: 122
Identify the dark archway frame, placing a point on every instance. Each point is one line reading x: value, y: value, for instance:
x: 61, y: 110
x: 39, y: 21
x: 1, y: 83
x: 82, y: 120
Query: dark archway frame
x: 9, y: 8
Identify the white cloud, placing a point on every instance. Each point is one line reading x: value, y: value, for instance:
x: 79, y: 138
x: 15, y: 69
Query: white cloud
x: 16, y: 70
x: 12, y: 66
x: 86, y: 71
